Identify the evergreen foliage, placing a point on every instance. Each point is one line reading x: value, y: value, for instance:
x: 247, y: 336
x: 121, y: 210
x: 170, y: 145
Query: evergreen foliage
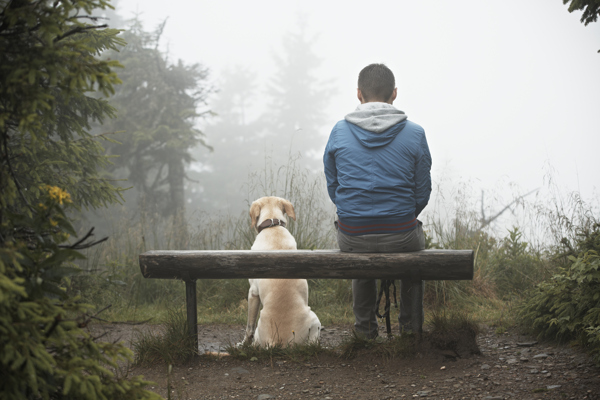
x: 567, y: 307
x: 158, y: 106
x: 47, y: 65
x: 238, y: 146
x: 591, y: 9
x: 296, y: 112
x: 515, y: 267
x: 49, y: 165
x: 297, y: 103
x: 290, y: 130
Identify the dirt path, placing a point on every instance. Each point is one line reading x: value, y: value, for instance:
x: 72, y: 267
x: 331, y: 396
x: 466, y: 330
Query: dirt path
x: 510, y: 367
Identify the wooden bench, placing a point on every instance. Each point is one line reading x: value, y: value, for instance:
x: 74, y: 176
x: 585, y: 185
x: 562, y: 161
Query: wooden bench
x: 190, y: 266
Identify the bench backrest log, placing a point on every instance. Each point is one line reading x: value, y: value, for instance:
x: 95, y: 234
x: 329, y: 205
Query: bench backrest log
x: 190, y: 266
x: 308, y: 264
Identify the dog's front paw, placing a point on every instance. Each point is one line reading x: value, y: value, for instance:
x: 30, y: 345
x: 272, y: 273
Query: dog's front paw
x: 247, y: 340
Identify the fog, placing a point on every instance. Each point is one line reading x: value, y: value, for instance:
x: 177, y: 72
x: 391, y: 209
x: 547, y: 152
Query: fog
x: 508, y: 92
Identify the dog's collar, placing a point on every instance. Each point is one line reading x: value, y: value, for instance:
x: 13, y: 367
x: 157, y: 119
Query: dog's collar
x: 268, y: 223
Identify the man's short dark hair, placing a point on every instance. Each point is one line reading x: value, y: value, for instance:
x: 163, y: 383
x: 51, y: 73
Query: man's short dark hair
x: 376, y: 82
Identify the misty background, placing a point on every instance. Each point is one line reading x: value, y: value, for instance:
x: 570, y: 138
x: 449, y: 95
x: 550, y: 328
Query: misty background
x: 507, y: 92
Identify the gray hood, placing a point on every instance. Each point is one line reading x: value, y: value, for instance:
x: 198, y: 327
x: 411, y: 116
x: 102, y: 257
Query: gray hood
x: 375, y: 117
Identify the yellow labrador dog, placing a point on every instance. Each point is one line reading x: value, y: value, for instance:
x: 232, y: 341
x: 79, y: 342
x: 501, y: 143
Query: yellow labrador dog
x: 285, y: 317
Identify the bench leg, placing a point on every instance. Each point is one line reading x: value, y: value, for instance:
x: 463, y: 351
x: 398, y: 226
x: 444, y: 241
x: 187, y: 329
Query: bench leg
x: 192, y: 311
x: 416, y: 294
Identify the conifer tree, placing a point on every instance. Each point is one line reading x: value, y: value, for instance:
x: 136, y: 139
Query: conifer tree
x: 157, y: 106
x: 289, y: 128
x: 590, y: 10
x: 298, y: 99
x: 49, y: 163
x: 238, y: 149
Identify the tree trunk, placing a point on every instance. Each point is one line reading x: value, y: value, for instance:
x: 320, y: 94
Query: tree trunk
x: 176, y: 207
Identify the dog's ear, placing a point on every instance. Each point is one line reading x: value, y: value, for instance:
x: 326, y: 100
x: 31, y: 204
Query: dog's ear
x: 254, y: 213
x: 289, y: 209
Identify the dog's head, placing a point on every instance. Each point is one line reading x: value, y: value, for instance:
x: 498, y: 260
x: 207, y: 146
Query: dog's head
x: 270, y: 207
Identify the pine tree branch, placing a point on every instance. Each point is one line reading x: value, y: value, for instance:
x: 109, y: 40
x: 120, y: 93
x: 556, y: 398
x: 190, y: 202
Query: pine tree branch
x: 90, y: 17
x: 78, y: 29
x: 12, y: 172
x: 55, y: 323
x: 18, y: 32
x: 95, y: 316
x: 80, y: 245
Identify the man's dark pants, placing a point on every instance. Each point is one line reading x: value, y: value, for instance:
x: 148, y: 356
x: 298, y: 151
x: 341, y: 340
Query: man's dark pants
x: 364, y: 291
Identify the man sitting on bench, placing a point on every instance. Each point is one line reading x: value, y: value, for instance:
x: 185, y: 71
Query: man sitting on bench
x: 377, y: 165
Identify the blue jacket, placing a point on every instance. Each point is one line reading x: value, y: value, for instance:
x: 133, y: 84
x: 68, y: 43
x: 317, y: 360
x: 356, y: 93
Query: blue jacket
x: 379, y: 179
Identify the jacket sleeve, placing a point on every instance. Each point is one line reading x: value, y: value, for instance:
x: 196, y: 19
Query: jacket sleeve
x: 423, y: 177
x: 330, y: 168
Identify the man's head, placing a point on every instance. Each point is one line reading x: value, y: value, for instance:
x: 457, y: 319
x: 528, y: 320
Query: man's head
x: 376, y: 83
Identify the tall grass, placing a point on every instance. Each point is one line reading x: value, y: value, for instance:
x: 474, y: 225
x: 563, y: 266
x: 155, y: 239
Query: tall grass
x: 112, y: 274
x: 171, y: 346
x: 507, y: 263
x: 314, y: 227
x: 528, y: 250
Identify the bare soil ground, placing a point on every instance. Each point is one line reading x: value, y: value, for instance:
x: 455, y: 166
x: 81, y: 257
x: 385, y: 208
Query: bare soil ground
x: 509, y: 366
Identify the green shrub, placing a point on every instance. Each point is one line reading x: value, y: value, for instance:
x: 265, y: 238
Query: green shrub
x: 515, y: 267
x: 567, y: 307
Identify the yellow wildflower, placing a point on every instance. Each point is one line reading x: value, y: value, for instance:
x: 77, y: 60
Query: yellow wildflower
x: 57, y: 194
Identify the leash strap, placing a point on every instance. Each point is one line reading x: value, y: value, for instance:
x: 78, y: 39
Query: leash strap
x: 384, y: 288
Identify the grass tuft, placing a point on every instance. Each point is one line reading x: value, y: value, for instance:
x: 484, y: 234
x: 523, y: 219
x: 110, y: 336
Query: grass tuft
x: 397, y: 346
x: 171, y: 346
x: 454, y: 331
x: 453, y: 334
x: 296, y: 352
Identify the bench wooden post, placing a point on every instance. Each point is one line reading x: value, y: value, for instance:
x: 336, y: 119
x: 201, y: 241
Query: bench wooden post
x: 192, y: 310
x: 416, y: 311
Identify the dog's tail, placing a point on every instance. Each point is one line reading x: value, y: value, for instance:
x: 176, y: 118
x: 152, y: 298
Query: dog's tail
x: 217, y: 353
